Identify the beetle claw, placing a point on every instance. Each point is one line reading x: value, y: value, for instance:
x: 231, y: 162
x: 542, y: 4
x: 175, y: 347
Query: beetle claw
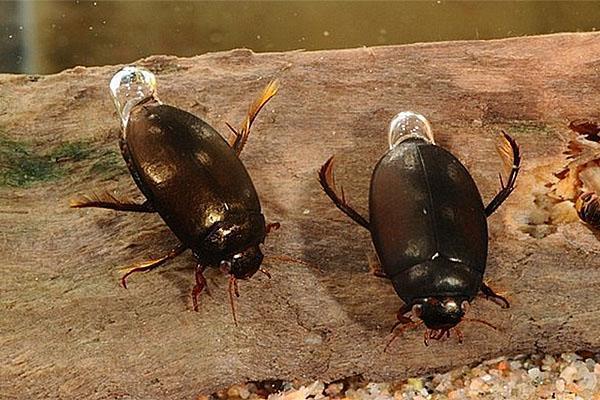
x: 273, y: 226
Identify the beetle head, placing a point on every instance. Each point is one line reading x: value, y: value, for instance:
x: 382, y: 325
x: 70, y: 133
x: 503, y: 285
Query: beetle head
x: 440, y: 314
x: 243, y: 264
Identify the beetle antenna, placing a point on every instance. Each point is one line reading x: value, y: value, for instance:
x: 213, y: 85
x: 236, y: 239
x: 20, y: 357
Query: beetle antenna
x: 397, y: 332
x: 481, y: 322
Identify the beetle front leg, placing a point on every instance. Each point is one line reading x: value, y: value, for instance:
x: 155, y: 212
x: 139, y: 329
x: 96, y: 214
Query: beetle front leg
x: 273, y: 226
x: 511, y: 156
x: 402, y: 324
x: 496, y: 298
x: 241, y: 136
x: 327, y: 180
x: 107, y: 200
x: 199, y: 286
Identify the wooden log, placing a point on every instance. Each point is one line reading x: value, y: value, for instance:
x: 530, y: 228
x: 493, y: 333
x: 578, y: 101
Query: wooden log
x: 70, y: 331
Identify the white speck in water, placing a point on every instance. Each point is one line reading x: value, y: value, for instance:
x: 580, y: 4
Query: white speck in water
x: 306, y: 211
x: 20, y: 27
x: 382, y: 31
x: 91, y: 28
x: 104, y: 22
x: 325, y: 33
x: 436, y: 255
x: 95, y: 3
x: 10, y: 36
x: 258, y: 37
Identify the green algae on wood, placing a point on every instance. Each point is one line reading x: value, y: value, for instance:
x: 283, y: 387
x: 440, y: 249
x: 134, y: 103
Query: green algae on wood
x: 22, y: 165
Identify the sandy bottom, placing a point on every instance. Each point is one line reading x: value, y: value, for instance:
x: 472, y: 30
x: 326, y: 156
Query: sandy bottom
x: 565, y: 376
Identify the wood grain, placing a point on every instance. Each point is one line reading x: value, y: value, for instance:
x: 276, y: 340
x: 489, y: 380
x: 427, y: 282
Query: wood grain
x: 69, y: 330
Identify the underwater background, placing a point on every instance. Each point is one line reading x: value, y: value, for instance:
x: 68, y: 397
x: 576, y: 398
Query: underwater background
x: 49, y: 36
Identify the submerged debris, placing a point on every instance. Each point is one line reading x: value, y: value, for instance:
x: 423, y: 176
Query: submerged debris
x: 566, y: 376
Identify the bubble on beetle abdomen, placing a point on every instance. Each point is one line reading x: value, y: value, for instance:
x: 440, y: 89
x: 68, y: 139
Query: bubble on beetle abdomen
x: 409, y: 124
x: 130, y: 86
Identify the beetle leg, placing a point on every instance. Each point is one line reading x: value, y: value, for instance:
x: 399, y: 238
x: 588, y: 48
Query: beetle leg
x: 265, y: 272
x: 107, y: 200
x: 272, y: 227
x: 233, y: 289
x: 459, y: 335
x: 327, y: 180
x: 241, y: 136
x: 150, y: 265
x: 511, y: 155
x: 426, y: 337
x: 199, y: 286
x: 375, y: 267
x: 491, y: 295
x: 403, y: 323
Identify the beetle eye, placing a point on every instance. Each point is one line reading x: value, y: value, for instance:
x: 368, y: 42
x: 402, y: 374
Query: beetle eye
x: 129, y: 87
x: 417, y: 310
x: 409, y: 124
x: 464, y: 306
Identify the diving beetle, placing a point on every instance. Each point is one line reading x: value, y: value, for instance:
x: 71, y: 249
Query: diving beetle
x: 192, y: 177
x: 428, y: 225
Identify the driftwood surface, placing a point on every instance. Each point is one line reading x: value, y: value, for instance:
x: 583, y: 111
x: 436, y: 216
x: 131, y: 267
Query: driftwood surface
x: 68, y: 330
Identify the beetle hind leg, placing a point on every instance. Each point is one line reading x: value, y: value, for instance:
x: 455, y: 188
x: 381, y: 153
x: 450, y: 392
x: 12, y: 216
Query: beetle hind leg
x: 511, y: 156
x: 496, y: 298
x: 327, y: 181
x: 152, y: 264
x: 107, y: 200
x: 241, y: 136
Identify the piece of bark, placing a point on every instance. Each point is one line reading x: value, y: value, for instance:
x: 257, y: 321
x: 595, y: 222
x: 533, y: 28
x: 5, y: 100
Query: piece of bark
x: 70, y: 331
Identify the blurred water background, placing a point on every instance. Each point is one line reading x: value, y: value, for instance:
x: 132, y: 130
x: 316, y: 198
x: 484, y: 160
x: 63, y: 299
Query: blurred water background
x: 49, y: 36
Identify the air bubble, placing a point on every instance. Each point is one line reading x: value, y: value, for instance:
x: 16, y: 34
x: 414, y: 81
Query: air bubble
x: 129, y: 87
x: 409, y: 124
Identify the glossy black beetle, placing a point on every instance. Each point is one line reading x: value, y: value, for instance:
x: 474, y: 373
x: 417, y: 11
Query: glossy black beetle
x: 192, y: 178
x: 428, y: 225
